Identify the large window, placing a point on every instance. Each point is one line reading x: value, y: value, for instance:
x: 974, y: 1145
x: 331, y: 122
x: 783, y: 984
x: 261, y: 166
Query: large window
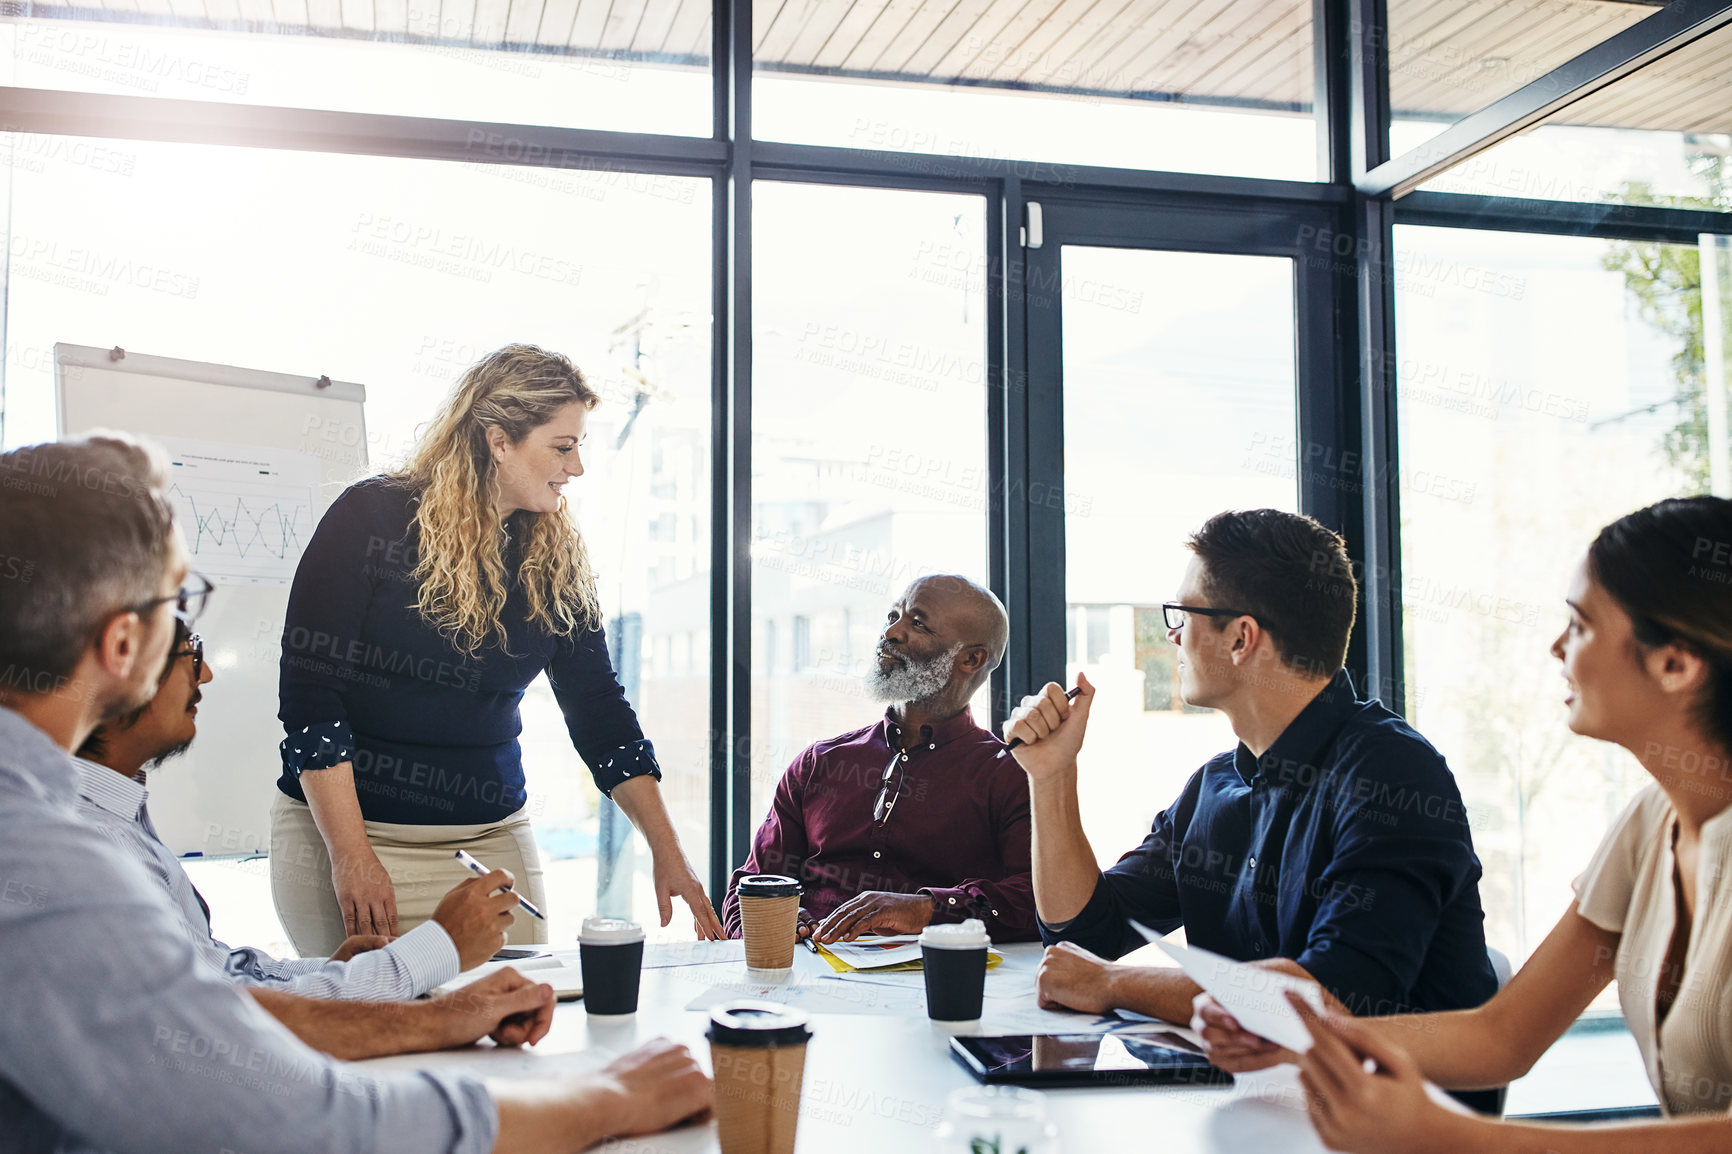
x: 868, y: 441
x: 1179, y: 402
x: 1552, y: 384
x: 1662, y: 135
x: 570, y: 63
x: 1151, y: 84
x: 399, y: 274
x: 1450, y: 58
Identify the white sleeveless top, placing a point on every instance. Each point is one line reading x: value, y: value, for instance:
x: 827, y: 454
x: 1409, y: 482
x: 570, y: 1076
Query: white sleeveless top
x: 1627, y: 889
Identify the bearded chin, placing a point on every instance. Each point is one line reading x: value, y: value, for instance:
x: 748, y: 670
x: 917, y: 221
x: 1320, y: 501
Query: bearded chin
x: 915, y: 681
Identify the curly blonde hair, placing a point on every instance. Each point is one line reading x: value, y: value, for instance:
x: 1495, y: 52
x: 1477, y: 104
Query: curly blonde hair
x: 461, y: 567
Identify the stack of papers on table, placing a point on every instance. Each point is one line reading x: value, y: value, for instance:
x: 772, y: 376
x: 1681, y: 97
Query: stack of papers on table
x: 897, y: 953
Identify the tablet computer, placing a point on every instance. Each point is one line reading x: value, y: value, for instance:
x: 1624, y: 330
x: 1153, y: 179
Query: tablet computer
x: 1141, y: 1058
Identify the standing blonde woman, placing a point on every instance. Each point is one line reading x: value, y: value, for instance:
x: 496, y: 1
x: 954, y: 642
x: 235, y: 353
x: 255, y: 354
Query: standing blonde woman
x: 425, y: 604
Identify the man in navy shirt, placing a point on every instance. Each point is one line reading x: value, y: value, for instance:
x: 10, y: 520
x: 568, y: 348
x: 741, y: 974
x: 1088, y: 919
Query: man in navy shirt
x: 1332, y: 842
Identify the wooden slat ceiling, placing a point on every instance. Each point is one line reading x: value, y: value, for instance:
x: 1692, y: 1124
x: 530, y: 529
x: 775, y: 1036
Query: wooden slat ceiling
x: 1447, y: 57
x: 1688, y: 91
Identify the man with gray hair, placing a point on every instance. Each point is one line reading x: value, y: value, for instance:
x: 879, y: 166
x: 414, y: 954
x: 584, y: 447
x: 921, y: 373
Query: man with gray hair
x: 916, y: 818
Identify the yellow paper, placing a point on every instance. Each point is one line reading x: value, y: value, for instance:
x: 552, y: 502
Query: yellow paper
x: 841, y: 967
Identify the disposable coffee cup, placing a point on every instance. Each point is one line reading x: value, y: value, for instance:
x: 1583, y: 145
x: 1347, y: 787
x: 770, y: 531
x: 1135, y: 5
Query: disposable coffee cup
x: 953, y: 959
x: 770, y: 917
x: 758, y: 1054
x: 610, y: 950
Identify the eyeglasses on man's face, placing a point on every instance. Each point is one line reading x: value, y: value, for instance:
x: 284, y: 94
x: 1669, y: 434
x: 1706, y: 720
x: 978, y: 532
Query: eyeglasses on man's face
x: 191, y: 645
x: 1176, y: 615
x: 189, y: 601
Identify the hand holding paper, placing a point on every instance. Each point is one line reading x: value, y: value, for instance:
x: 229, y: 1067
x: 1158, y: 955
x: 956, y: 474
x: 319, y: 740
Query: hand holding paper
x: 1253, y: 995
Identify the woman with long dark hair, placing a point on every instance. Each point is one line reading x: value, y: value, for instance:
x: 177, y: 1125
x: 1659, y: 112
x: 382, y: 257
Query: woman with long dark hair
x: 1647, y: 657
x: 425, y: 604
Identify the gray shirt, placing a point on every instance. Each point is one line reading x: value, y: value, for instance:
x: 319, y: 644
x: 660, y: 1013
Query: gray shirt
x: 410, y: 966
x: 114, y: 1037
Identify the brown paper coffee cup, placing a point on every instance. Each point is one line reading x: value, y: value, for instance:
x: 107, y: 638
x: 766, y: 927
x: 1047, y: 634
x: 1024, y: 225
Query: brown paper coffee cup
x: 769, y: 919
x: 770, y: 926
x: 757, y: 1097
x: 758, y: 1056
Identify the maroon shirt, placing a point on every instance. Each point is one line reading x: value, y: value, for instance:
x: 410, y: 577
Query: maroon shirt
x: 959, y: 831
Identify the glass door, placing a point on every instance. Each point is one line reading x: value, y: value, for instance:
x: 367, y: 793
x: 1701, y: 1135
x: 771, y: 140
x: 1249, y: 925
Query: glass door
x: 1167, y: 383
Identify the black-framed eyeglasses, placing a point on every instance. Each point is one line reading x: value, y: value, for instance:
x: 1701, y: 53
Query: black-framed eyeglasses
x: 189, y: 601
x: 886, y: 803
x: 1174, y: 614
x: 193, y: 647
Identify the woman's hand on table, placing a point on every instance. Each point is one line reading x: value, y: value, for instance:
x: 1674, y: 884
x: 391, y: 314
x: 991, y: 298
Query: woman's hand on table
x: 640, y: 799
x: 1366, y: 1094
x: 364, y: 892
x: 674, y: 879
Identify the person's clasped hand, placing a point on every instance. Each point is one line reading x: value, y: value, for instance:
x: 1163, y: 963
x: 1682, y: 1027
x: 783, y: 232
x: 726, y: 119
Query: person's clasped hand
x: 1070, y: 977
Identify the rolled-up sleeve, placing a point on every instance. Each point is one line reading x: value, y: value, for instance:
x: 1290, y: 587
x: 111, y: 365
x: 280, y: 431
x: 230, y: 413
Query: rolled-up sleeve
x: 322, y: 628
x: 603, y: 726
x: 111, y: 1030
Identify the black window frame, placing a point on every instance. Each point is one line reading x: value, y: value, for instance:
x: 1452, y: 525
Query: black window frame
x: 1346, y: 337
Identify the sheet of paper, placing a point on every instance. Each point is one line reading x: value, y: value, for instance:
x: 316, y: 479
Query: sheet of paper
x: 660, y: 955
x: 1255, y: 996
x: 819, y: 995
x: 563, y: 974
x: 870, y: 953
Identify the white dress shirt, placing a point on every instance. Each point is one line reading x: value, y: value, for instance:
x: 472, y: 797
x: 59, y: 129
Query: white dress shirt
x: 418, y: 961
x: 113, y: 1037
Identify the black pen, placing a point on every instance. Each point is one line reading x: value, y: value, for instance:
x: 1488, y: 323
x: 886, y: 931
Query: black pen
x: 1070, y: 695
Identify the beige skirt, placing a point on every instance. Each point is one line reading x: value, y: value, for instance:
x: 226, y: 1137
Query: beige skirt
x: 420, y: 859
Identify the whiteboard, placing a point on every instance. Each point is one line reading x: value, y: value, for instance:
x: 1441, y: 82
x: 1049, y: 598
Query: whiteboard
x: 225, y: 423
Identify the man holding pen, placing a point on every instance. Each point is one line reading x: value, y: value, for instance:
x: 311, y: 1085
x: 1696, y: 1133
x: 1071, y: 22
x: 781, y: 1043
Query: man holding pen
x: 1331, y: 843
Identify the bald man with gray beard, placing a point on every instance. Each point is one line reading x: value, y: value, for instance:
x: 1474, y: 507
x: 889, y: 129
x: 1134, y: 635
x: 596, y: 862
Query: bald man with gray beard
x: 916, y: 818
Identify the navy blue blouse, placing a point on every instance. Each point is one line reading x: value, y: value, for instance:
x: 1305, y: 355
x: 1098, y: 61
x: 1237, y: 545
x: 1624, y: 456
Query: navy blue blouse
x: 432, y: 733
x: 1344, y: 847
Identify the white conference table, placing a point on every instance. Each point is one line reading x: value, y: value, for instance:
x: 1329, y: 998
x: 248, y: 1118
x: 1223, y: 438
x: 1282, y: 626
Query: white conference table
x: 878, y: 1070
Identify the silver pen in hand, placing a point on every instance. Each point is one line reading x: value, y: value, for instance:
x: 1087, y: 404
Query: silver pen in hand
x: 480, y: 870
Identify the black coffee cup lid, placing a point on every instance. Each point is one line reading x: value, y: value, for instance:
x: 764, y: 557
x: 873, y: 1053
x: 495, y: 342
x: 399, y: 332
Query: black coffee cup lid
x: 768, y: 886
x: 750, y: 1023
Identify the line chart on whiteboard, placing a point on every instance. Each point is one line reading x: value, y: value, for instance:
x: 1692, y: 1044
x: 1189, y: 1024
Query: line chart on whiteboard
x: 246, y: 512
